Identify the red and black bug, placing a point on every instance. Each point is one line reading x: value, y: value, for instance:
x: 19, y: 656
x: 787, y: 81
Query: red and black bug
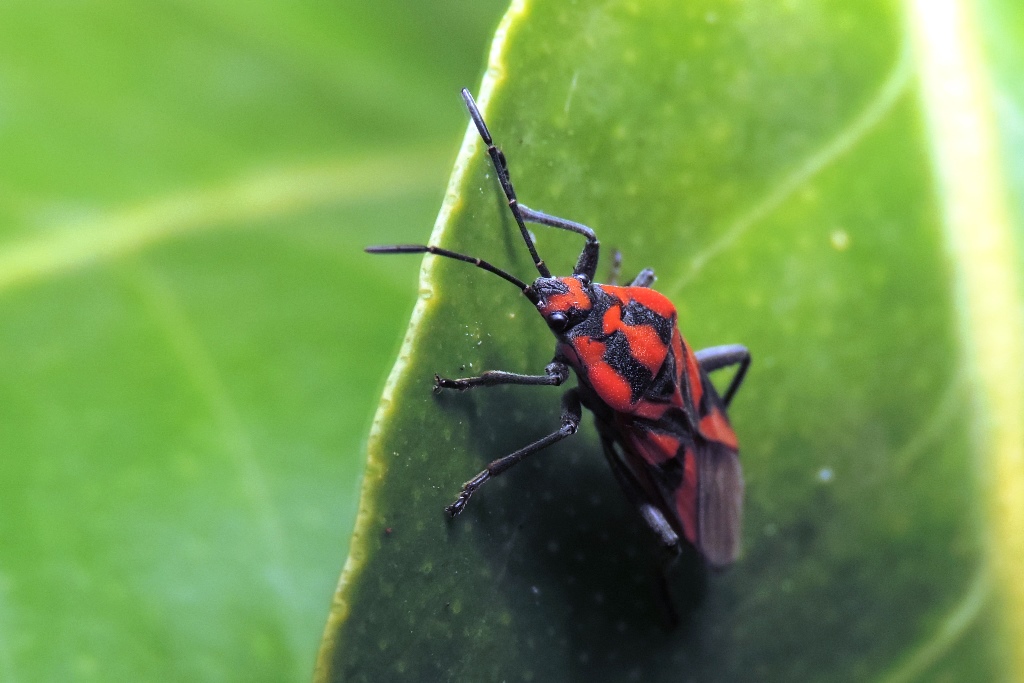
x: 662, y: 423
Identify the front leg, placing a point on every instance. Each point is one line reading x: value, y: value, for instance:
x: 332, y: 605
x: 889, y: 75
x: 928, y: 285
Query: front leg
x: 644, y: 279
x: 554, y: 374
x: 616, y: 268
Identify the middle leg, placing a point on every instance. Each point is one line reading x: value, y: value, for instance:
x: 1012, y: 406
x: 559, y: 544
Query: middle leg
x: 572, y: 413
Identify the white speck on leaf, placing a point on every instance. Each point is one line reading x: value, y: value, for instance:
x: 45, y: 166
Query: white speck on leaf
x: 840, y: 240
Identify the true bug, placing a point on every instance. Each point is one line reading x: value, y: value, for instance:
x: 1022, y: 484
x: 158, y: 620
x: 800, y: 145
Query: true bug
x: 662, y: 424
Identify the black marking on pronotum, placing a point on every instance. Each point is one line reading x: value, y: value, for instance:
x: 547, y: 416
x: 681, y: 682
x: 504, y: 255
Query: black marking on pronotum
x: 635, y: 314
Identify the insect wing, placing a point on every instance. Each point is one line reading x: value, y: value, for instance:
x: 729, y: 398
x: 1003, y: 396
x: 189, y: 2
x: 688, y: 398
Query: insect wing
x: 719, y: 502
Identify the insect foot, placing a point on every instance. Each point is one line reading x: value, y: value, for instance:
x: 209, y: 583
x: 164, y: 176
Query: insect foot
x: 457, y: 384
x: 456, y: 508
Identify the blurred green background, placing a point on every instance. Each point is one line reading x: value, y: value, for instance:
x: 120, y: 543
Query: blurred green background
x: 192, y: 343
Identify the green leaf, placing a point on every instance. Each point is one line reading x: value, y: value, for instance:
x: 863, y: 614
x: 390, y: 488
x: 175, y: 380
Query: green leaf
x: 187, y: 369
x: 822, y: 183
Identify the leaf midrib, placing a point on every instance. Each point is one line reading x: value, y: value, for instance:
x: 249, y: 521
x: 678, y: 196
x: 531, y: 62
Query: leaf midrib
x: 251, y: 199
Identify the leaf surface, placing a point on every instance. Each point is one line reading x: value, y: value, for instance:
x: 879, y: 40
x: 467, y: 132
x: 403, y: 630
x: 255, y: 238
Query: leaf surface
x: 784, y: 170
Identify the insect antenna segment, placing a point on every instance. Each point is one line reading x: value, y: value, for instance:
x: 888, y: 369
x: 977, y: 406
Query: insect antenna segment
x: 587, y: 263
x: 438, y: 251
x: 501, y: 168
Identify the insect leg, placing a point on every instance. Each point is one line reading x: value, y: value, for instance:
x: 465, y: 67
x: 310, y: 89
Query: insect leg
x: 572, y: 413
x: 554, y: 374
x: 664, y: 592
x: 645, y: 278
x: 718, y: 357
x: 656, y: 521
x: 616, y: 268
x: 651, y: 515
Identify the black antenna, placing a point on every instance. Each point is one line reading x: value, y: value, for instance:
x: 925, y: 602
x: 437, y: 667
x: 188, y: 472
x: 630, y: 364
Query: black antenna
x: 437, y: 251
x: 501, y: 168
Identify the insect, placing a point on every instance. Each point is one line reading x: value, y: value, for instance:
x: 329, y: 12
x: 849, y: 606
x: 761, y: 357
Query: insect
x: 662, y: 424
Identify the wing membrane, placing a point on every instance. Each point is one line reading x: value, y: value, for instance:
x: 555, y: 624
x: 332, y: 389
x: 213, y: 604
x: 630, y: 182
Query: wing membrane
x: 719, y: 503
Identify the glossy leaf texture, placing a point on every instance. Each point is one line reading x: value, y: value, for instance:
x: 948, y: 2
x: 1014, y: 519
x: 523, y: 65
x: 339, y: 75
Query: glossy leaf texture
x: 782, y: 167
x: 191, y: 342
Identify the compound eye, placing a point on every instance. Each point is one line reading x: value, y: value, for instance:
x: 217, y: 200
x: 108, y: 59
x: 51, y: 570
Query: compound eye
x: 558, y: 321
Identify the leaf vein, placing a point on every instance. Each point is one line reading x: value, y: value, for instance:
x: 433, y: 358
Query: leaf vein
x: 237, y: 443
x: 258, y: 197
x: 837, y: 146
x: 950, y: 630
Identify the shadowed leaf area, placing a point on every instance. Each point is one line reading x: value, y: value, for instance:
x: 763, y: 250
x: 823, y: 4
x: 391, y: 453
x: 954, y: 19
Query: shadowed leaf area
x: 771, y: 163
